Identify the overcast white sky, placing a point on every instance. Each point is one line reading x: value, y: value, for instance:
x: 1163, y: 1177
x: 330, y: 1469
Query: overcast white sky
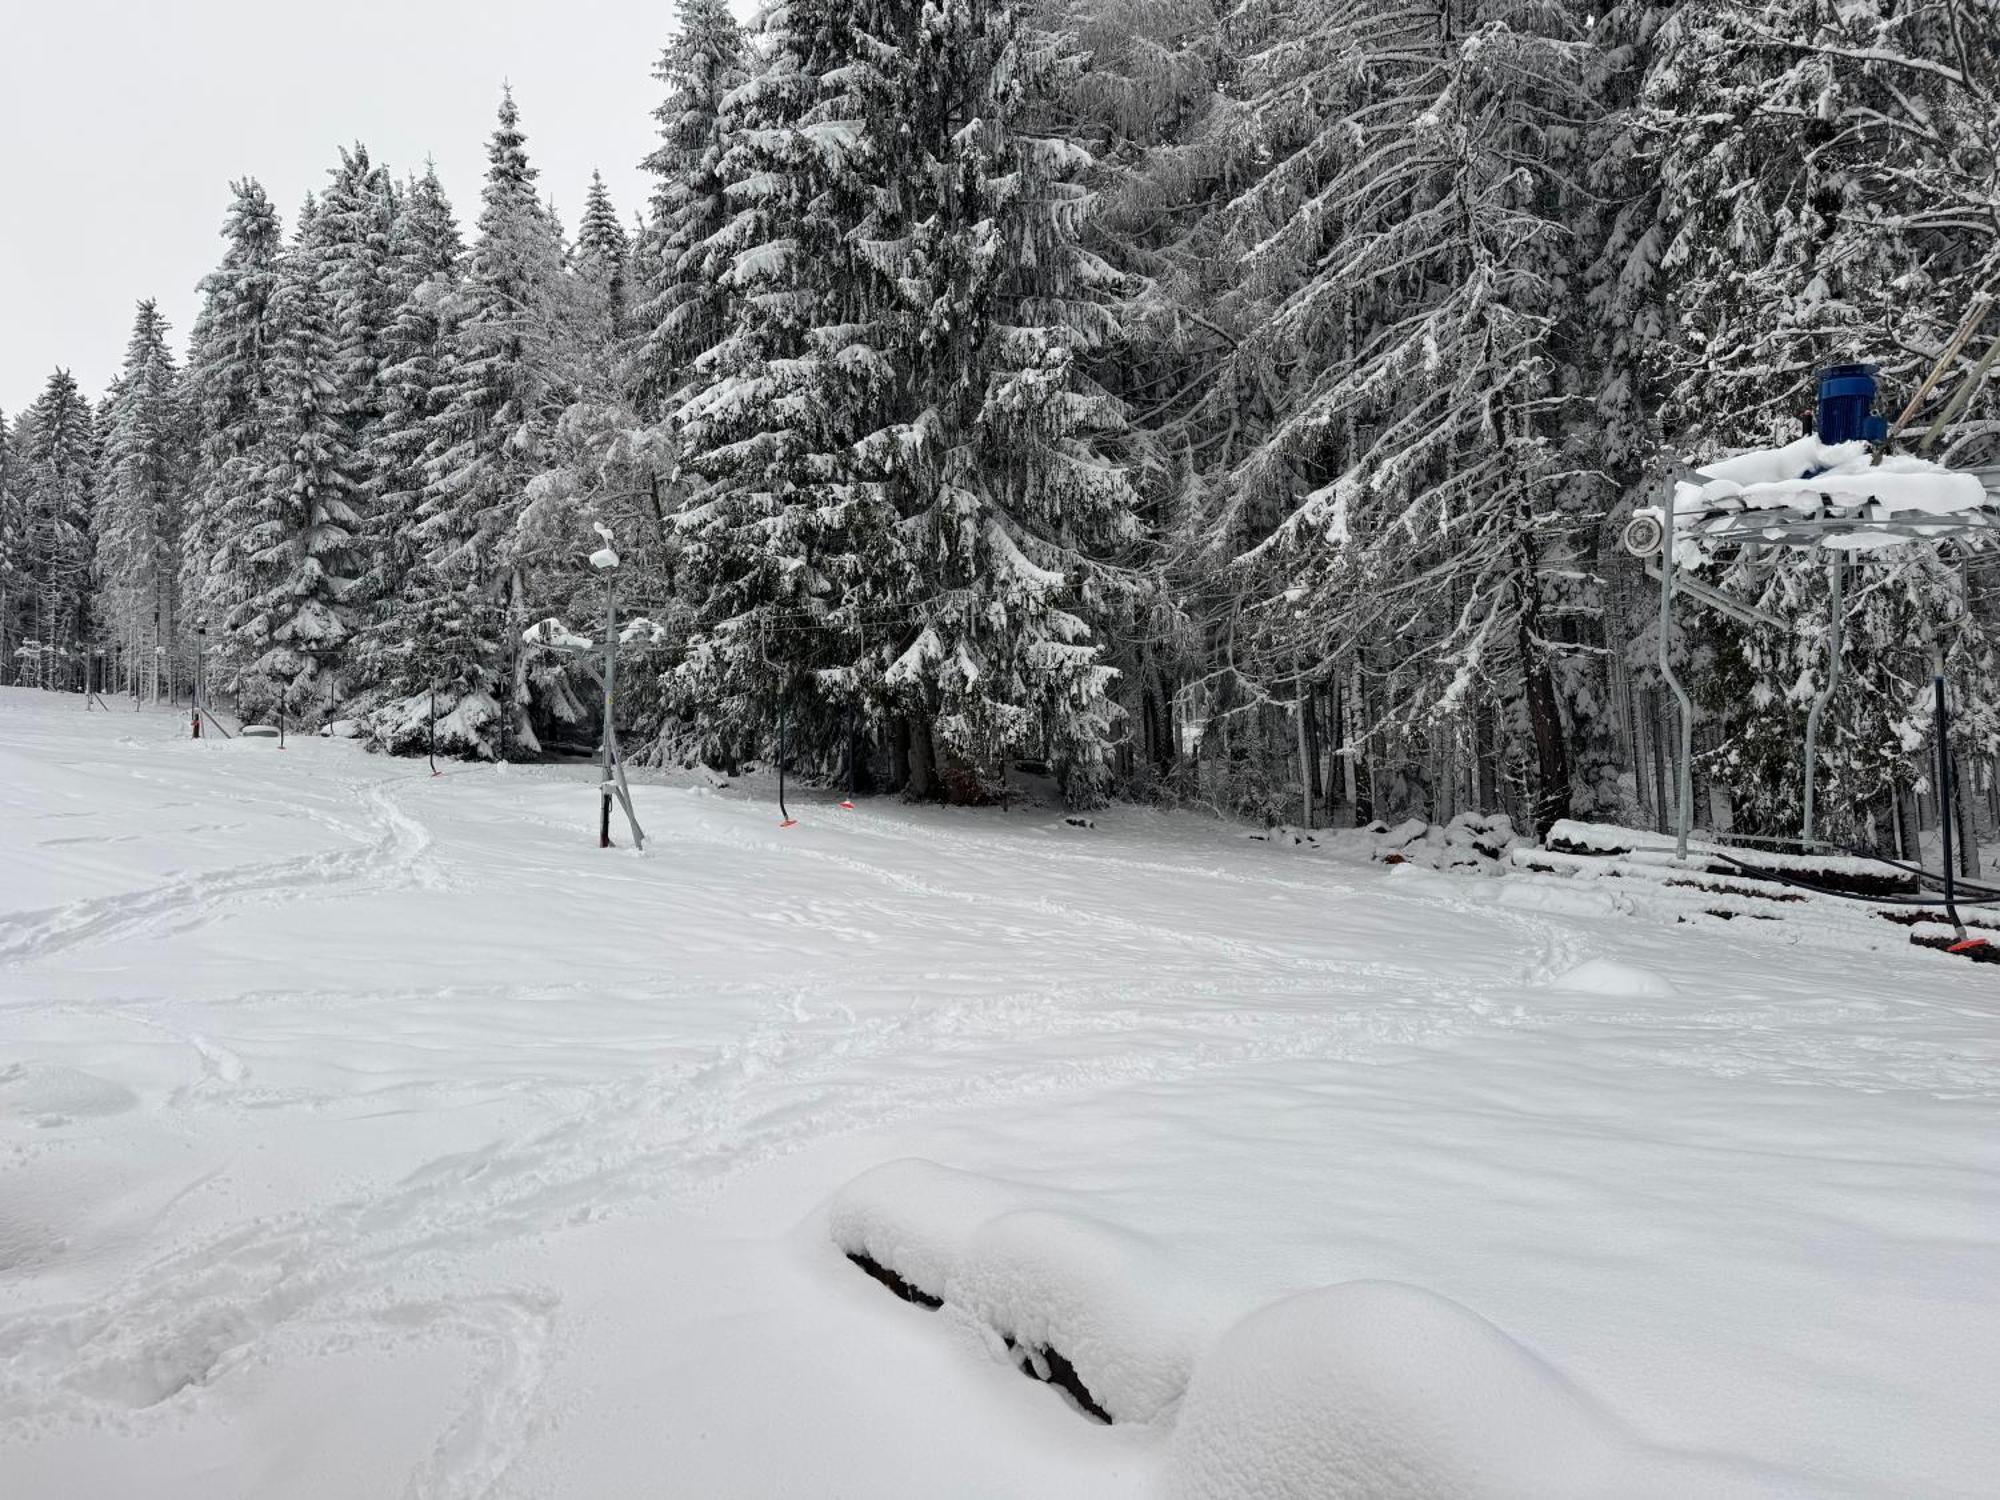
x: 124, y: 123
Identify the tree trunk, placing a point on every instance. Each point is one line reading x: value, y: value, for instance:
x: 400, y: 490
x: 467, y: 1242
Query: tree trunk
x: 1545, y: 723
x: 1485, y: 752
x: 899, y: 753
x: 1308, y: 774
x: 1321, y: 792
x: 1343, y: 744
x: 923, y: 784
x: 1656, y: 735
x: 1640, y: 731
x: 1365, y: 767
x: 1967, y: 808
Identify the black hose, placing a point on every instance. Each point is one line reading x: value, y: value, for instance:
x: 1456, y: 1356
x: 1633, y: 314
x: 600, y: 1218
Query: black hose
x: 1764, y: 873
x: 1868, y: 854
x: 1908, y: 869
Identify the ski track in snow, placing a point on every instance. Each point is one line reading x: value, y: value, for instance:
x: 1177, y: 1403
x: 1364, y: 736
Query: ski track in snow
x: 395, y: 855
x: 386, y: 1264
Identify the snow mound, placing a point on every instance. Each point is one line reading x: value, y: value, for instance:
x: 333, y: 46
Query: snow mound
x: 1605, y: 976
x: 1382, y: 1389
x: 1471, y: 843
x: 1111, y: 1304
x: 55, y: 1095
x: 916, y: 1217
x: 1108, y: 1300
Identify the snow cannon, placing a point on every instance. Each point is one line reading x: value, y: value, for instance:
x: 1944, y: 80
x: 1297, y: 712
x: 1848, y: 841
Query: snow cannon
x: 1846, y: 411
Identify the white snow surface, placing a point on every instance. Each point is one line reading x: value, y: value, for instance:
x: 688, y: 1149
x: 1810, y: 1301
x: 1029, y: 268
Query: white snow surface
x: 364, y: 1133
x: 1607, y: 976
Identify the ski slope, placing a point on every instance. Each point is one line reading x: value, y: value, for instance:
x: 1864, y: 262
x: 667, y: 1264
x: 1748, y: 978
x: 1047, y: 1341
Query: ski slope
x: 364, y: 1133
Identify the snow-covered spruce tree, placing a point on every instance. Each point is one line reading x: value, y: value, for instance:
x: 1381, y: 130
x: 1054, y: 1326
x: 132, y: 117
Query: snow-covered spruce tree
x: 425, y: 256
x: 599, y: 472
x: 1394, y: 514
x: 350, y: 245
x: 780, y: 553
x: 1613, y: 445
x: 619, y: 443
x: 1009, y: 474
x: 140, y: 493
x: 901, y: 510
x: 1160, y: 106
x: 287, y: 639
x: 1607, y: 447
x: 58, y: 462
x: 1755, y: 177
x: 227, y: 389
x: 466, y: 601
x: 681, y: 257
x: 600, y: 262
x: 12, y: 551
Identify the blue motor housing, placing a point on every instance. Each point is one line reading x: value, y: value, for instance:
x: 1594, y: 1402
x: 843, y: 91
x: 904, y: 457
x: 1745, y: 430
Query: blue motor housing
x: 1847, y: 406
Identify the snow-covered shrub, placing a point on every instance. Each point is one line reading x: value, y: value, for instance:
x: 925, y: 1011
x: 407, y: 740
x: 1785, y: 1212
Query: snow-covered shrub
x: 1039, y: 1274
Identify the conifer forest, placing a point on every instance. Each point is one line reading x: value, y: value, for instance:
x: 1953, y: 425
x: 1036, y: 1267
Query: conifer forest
x: 1224, y: 403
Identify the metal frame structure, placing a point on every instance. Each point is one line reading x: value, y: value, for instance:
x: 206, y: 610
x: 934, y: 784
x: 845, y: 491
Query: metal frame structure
x: 1653, y: 541
x: 612, y: 783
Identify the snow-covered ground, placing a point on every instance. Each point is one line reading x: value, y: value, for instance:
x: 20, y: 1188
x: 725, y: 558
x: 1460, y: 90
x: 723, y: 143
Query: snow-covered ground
x: 364, y: 1133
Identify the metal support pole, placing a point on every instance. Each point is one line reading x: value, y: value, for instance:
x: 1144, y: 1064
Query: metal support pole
x: 1944, y: 796
x: 788, y: 820
x: 853, y: 759
x: 606, y: 790
x: 1684, y: 782
x: 1837, y: 588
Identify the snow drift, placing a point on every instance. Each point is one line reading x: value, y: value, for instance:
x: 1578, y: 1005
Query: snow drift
x: 1384, y: 1390
x: 1366, y: 1388
x: 1606, y: 976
